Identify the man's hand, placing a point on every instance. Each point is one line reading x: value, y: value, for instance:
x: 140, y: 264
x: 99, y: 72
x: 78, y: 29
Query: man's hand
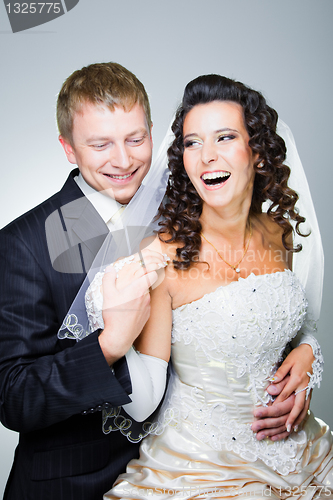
x: 144, y: 262
x: 288, y: 410
x: 126, y: 302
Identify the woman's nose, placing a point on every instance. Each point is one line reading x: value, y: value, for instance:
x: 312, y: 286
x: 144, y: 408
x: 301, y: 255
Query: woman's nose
x: 208, y: 153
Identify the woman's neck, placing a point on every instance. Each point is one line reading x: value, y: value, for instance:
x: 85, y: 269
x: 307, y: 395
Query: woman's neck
x: 228, y: 225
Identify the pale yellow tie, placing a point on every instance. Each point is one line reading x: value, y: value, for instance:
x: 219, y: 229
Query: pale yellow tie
x: 115, y: 216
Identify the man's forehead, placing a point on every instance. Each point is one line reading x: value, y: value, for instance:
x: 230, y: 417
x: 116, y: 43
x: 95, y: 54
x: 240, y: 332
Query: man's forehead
x: 132, y: 119
x: 86, y: 106
x: 97, y: 122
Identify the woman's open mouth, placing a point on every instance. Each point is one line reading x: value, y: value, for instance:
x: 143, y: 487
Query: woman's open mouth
x: 215, y: 178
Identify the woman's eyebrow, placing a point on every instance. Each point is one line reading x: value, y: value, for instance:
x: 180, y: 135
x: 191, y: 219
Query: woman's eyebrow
x: 225, y: 129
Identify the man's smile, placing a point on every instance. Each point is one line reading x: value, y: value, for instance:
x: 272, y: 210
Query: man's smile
x: 121, y: 177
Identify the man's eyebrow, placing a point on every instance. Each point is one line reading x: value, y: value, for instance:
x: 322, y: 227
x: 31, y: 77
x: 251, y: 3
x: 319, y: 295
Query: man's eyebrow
x: 225, y: 129
x: 138, y: 131
x: 97, y: 138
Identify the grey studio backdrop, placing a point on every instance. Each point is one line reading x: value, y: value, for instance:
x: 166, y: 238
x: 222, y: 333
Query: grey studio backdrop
x: 283, y: 48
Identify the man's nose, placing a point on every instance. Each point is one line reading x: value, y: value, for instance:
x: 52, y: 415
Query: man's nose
x: 120, y: 157
x: 208, y: 153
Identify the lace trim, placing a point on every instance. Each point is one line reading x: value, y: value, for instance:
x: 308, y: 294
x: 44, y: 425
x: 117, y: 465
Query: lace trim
x: 113, y: 420
x: 94, y: 303
x: 94, y: 297
x: 212, y: 425
x: 253, y: 336
x: 119, y: 264
x: 248, y: 325
x: 318, y: 363
x: 72, y: 329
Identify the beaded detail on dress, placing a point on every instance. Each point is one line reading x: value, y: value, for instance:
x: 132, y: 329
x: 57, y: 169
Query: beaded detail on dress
x: 237, y: 333
x: 244, y: 327
x: 249, y: 321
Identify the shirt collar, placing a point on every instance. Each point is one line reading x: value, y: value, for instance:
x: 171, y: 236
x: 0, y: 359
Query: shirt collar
x: 106, y: 206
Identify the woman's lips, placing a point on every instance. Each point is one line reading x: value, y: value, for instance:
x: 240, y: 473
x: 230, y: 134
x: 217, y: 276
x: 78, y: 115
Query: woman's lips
x: 215, y: 179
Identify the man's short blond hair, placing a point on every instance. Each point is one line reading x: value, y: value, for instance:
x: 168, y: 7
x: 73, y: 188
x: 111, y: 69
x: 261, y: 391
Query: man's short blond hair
x: 102, y: 83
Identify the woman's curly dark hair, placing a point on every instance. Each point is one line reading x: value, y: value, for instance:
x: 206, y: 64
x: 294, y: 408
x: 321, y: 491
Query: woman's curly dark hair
x: 184, y: 206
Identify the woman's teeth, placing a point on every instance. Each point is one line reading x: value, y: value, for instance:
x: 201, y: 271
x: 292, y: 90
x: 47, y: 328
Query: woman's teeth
x: 215, y: 177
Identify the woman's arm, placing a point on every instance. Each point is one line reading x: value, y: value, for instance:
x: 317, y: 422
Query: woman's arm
x: 148, y: 365
x: 155, y: 339
x: 147, y: 371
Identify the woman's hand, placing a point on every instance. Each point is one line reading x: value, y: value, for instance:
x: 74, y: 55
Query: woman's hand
x: 288, y: 410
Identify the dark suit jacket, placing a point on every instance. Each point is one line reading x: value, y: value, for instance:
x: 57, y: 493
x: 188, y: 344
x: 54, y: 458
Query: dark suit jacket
x: 52, y: 390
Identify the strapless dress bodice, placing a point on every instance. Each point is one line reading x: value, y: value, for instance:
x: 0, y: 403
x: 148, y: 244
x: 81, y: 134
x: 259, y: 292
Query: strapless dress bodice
x: 225, y: 346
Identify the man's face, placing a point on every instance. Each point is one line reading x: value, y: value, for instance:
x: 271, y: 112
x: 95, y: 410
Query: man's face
x: 112, y: 149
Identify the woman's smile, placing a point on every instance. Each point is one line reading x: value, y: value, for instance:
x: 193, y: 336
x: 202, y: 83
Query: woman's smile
x: 217, y: 156
x: 215, y: 179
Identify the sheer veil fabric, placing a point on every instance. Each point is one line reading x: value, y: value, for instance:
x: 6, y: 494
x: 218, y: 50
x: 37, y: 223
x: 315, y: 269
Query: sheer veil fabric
x: 136, y: 222
x: 308, y: 264
x: 139, y: 215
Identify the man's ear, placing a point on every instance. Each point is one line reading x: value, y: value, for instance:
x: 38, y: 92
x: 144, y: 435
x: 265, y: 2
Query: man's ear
x: 68, y: 148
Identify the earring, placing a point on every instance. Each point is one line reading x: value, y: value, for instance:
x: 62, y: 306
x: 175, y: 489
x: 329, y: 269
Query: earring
x: 261, y: 164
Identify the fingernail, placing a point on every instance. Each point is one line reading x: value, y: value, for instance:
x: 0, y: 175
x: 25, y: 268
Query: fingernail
x: 296, y: 428
x: 288, y: 428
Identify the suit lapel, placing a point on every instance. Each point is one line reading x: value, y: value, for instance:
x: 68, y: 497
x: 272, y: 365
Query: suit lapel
x: 81, y: 220
x: 75, y: 231
x: 83, y: 223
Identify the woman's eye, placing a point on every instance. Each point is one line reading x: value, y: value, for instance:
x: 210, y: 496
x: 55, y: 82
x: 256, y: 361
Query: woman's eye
x: 189, y: 143
x: 228, y: 137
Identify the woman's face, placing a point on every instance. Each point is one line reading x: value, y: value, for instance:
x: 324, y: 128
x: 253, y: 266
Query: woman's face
x: 217, y: 157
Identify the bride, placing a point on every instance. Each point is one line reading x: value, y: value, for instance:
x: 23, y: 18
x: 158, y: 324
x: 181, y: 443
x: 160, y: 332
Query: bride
x: 227, y: 307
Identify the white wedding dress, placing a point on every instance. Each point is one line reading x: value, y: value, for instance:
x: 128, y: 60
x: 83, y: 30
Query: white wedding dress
x: 225, y: 346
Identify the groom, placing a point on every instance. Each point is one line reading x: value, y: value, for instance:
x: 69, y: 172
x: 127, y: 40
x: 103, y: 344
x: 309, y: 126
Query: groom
x: 53, y: 390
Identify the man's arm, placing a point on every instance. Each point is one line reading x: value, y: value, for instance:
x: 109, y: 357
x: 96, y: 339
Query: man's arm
x: 41, y: 384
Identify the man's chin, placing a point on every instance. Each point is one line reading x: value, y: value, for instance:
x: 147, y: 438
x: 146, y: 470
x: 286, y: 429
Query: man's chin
x: 122, y: 196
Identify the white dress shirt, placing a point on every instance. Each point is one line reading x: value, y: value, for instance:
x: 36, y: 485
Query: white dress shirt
x: 108, y: 208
